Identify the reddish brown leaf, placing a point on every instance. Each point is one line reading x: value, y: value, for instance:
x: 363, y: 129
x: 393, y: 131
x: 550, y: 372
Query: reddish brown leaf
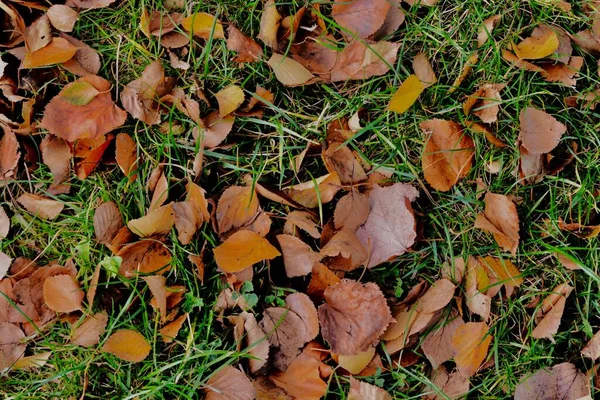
x: 540, y: 132
x: 437, y: 346
x: 305, y: 308
x: 126, y: 155
x: 563, y: 381
x: 9, y: 154
x: 88, y: 333
x: 39, y: 206
x: 551, y: 312
x: 501, y: 219
x: 256, y: 343
x: 357, y: 61
x: 85, y: 167
x: 248, y: 50
x: 57, y: 155
x: 360, y: 17
x: 347, y: 251
x: 12, y: 345
x: 285, y: 331
x: 63, y: 294
x: 236, y: 207
x: 139, y: 96
x: 298, y: 257
x: 146, y: 257
x: 107, y: 222
x: 485, y: 101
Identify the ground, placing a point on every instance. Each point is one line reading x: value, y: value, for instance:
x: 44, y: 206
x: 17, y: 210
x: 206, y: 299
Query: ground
x: 265, y: 149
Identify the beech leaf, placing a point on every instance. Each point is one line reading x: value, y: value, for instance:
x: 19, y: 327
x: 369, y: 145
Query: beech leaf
x: 128, y: 345
x: 242, y: 250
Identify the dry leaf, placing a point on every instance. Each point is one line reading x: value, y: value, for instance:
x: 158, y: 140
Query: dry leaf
x: 477, y: 282
x: 216, y: 129
x: 307, y: 194
x: 302, y: 379
x: 229, y: 99
x: 540, y: 132
x: 89, y: 4
x: 390, y: 227
x: 157, y: 285
x: 592, y: 348
x: 242, y: 250
x: 406, y: 95
x: 257, y: 343
x: 237, y: 206
x: 9, y: 154
x: 34, y: 361
x: 285, y: 331
x: 448, y: 153
x: 464, y: 72
x: 321, y: 278
x: 146, y: 257
x: 301, y: 304
x: 503, y: 271
x: 364, y: 391
x: 563, y: 73
x: 354, y: 316
x: 436, y: 297
x: 126, y: 155
x: 140, y: 96
x: 170, y: 331
x: 566, y: 260
x: 62, y: 17
x: 346, y: 250
x: 248, y: 50
x: 107, y: 222
x: 501, y: 219
x: 269, y: 23
x: 85, y: 167
x: 471, y: 342
x: 88, y: 333
x: 551, y: 313
x: 157, y: 222
x: 339, y: 158
x: 563, y: 381
x: 486, y: 102
x: 86, y: 60
x: 437, y: 346
x: 38, y: 35
x: 127, y: 345
x: 57, y: 155
x: 363, y: 60
x: 452, y: 386
x: 4, y: 224
x: 41, y: 207
x: 542, y: 43
x: 423, y: 70
x: 63, y: 294
x: 351, y: 211
x: 58, y: 51
x: 5, y: 262
x: 229, y: 384
x: 302, y: 220
x: 486, y: 29
x: 203, y: 25
x: 289, y: 71
x: 298, y: 257
x: 12, y: 345
x: 360, y: 17
x: 92, y: 120
x: 356, y: 363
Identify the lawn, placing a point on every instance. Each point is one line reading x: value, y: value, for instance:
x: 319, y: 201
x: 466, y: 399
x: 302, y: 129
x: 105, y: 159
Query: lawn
x: 265, y: 149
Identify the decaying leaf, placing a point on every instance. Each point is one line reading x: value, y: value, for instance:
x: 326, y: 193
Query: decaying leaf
x: 540, y: 132
x: 485, y: 102
x: 362, y: 60
x: 126, y: 155
x: 107, y: 222
x: 562, y: 381
x: 360, y: 17
x: 390, y: 212
x: 146, y: 257
x: 423, y: 70
x: 242, y: 250
x: 500, y: 218
x: 286, y: 332
x: 86, y: 60
x: 406, y: 95
x: 62, y: 17
x: 320, y: 191
x: 471, y: 342
x: 360, y: 390
x: 12, y: 345
x: 448, y: 153
x: 41, y: 207
x: 62, y: 293
x: 298, y: 257
x: 289, y: 71
x: 486, y: 29
x: 237, y: 206
x: 257, y: 343
x: 354, y: 316
x: 302, y: 379
x: 128, y: 345
x: 248, y: 50
x: 88, y: 333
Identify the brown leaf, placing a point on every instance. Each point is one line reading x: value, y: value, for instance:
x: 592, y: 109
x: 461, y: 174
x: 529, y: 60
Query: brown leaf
x: 126, y: 155
x: 88, y: 333
x: 437, y: 297
x: 423, y: 70
x: 94, y: 119
x: 552, y: 311
x: 4, y: 224
x: 476, y: 283
x: 170, y: 331
x: 486, y: 102
x: 522, y: 64
x: 540, y: 132
x: 486, y: 29
x: 390, y: 227
x: 502, y: 271
x: 160, y: 191
x: 393, y: 20
x: 364, y: 391
x: 12, y: 345
x: 564, y: 73
x: 347, y: 251
x: 566, y: 260
x: 237, y: 206
x: 128, y: 345
x: 33, y: 361
x: 501, y: 219
x: 38, y: 35
x: 302, y: 305
x: 351, y: 211
x: 289, y: 71
x: 248, y: 50
x: 339, y: 158
x: 5, y: 262
x: 107, y: 222
x: 298, y: 257
x: 302, y: 379
x: 471, y: 342
x: 62, y: 17
x: 140, y: 95
x: 190, y: 214
x: 592, y: 348
x: 471, y: 61
x: 157, y: 285
x: 452, y: 386
x: 448, y: 153
x: 57, y: 155
x: 256, y: 343
x: 156, y: 222
x: 9, y: 154
x: 269, y: 23
x: 85, y: 167
x: 242, y: 250
x: 354, y: 316
x: 63, y: 294
x: 302, y: 220
x: 93, y: 286
x: 437, y: 346
x: 287, y: 332
x: 58, y: 51
x: 89, y: 4
x: 563, y: 381
x: 146, y: 257
x: 321, y: 278
x: 307, y: 194
x: 360, y: 17
x: 86, y: 60
x: 41, y: 207
x: 359, y: 61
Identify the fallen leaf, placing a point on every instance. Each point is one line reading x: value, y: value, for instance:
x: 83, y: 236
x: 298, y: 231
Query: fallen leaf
x: 354, y: 316
x: 360, y: 17
x: 406, y: 95
x: 302, y: 220
x: 341, y: 159
x: 448, y: 386
x: 363, y: 60
x: 257, y: 343
x: 41, y: 207
x: 34, y: 361
x: 522, y: 64
x: 57, y: 155
x: 477, y: 282
x: 285, y: 331
x: 160, y: 191
x: 302, y: 379
x: 423, y: 70
x: 140, y: 96
x: 5, y: 262
x: 157, y: 222
x: 303, y: 306
x: 248, y: 50
x: 12, y: 345
x: 229, y: 99
x: 85, y: 167
x: 4, y: 224
x: 565, y: 74
x: 356, y: 363
x: 315, y: 192
x: 551, y: 313
x: 486, y: 29
x: 298, y: 257
x: 269, y: 23
x: 542, y: 43
x: 90, y: 4
x: 229, y: 384
x: 58, y: 51
x: 107, y: 222
x: 503, y: 271
x: 471, y: 342
x: 158, y: 288
x: 289, y: 71
x: 126, y: 155
x: 321, y: 278
x: 63, y: 294
x: 128, y: 345
x: 237, y: 206
x: 242, y: 250
x: 565, y: 259
x: 448, y: 153
x: 86, y: 60
x: 562, y: 381
x: 37, y: 35
x: 390, y: 227
x: 88, y: 333
x: 92, y: 120
x: 203, y: 25
x: 146, y: 257
x: 500, y: 218
x: 351, y: 211
x: 436, y: 297
x: 540, y: 132
x: 216, y: 129
x: 62, y: 17
x: 346, y: 249
x: 437, y: 345
x: 471, y: 61
x: 9, y: 154
x: 93, y: 285
x: 364, y: 391
x: 592, y: 348
x: 170, y: 331
x: 486, y: 102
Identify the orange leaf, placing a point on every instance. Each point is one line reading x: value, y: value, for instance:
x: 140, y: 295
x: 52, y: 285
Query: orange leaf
x: 242, y: 250
x: 471, y: 343
x: 128, y: 345
x: 62, y: 293
x: 59, y: 50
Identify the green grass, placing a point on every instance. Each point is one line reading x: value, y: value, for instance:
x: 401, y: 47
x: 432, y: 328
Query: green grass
x: 266, y: 149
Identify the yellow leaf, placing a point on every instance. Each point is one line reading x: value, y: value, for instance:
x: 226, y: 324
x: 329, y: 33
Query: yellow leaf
x: 201, y: 24
x: 504, y: 270
x: 289, y: 72
x: 229, y: 99
x: 534, y: 48
x: 128, y: 345
x: 243, y: 249
x: 406, y: 95
x: 356, y: 363
x: 57, y: 51
x: 471, y: 343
